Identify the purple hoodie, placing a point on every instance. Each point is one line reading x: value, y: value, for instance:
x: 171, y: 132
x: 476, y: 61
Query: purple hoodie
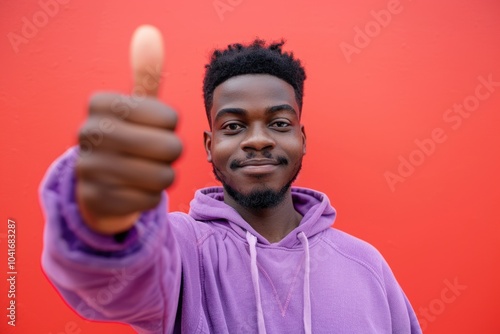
x: 209, y: 271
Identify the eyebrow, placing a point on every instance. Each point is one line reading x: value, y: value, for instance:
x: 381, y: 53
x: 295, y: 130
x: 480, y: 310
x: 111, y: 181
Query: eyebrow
x: 243, y: 112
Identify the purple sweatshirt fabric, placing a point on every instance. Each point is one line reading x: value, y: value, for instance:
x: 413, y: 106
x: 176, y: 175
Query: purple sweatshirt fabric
x: 210, y: 272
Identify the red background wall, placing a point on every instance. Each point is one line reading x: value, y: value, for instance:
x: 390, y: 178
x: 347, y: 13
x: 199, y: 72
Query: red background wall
x: 370, y: 98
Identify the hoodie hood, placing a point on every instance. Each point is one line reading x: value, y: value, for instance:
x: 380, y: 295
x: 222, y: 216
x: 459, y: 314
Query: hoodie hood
x: 208, y: 206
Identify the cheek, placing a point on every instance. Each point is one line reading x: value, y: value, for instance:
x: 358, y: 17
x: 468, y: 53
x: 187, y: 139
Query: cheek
x: 295, y: 149
x: 221, y: 152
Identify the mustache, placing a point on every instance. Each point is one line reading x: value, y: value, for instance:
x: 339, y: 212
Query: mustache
x: 237, y: 163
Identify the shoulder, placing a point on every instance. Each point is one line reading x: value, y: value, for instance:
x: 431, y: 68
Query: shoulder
x: 186, y: 227
x: 356, y: 251
x: 350, y: 244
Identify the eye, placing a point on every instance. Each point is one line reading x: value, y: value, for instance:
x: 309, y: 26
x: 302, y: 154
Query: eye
x: 280, y: 124
x: 232, y: 127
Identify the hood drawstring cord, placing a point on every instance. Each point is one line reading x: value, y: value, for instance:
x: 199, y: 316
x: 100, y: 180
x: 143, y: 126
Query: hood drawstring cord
x: 307, y: 292
x: 252, y: 241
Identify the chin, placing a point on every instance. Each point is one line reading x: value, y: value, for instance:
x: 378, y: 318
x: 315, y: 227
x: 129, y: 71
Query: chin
x: 260, y: 197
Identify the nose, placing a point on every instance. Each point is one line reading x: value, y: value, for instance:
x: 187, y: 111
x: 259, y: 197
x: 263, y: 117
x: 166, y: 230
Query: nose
x: 258, y: 138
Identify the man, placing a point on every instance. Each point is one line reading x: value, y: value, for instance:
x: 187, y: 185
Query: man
x: 253, y: 256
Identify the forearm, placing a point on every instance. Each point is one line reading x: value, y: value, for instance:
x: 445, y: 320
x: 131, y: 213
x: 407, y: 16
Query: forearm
x: 133, y: 280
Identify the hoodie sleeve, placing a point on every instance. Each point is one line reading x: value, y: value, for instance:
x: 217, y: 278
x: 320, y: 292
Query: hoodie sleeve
x: 403, y: 316
x: 134, y: 281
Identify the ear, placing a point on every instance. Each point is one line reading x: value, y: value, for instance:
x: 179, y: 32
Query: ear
x: 303, y: 130
x: 207, y: 139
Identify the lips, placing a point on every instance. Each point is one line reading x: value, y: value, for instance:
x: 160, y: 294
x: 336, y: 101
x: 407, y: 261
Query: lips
x: 258, y: 162
x: 257, y: 167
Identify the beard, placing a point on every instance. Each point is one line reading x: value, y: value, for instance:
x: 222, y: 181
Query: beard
x: 260, y: 198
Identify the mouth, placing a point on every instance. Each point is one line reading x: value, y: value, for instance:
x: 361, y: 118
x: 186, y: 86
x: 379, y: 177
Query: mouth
x: 235, y: 164
x: 258, y: 166
x: 258, y: 162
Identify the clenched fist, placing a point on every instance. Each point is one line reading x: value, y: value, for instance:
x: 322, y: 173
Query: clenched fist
x: 126, y: 164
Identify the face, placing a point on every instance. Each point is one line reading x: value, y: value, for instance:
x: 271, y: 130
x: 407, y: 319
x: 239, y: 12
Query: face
x: 257, y: 142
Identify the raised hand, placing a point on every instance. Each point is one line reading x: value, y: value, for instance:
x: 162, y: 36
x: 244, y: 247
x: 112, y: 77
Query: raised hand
x: 127, y: 145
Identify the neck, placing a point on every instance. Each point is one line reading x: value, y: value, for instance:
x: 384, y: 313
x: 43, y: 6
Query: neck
x: 272, y: 223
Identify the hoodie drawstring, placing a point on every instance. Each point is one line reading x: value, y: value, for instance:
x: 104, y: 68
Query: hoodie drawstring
x: 252, y: 241
x: 307, y: 292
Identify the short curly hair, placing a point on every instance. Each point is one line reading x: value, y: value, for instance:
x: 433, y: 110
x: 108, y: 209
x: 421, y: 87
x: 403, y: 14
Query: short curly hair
x: 254, y: 58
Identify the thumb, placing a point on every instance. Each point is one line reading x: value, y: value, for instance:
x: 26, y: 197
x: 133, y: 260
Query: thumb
x: 146, y: 59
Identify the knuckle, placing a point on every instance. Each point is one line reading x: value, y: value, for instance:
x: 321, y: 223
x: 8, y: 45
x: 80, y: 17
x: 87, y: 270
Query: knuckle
x: 89, y: 166
x: 166, y: 177
x: 90, y: 134
x: 100, y: 102
x: 81, y: 167
x: 84, y: 143
x: 95, y: 102
x: 175, y: 147
x: 82, y: 132
x: 121, y: 106
x: 173, y: 117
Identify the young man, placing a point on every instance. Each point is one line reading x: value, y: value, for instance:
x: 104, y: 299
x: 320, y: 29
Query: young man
x: 253, y: 256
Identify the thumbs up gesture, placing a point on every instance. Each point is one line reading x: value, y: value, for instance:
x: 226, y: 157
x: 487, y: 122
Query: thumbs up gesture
x: 127, y: 145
